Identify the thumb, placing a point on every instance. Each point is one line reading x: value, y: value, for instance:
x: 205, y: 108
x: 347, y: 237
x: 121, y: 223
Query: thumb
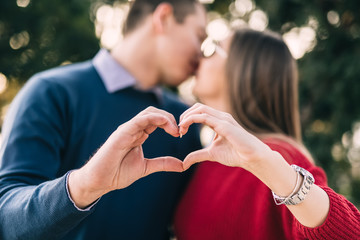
x: 196, y: 157
x: 163, y: 164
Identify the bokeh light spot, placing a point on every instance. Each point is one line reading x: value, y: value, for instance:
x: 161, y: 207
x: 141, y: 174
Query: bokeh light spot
x: 108, y: 23
x: 22, y: 3
x: 243, y: 7
x: 206, y: 1
x: 258, y: 20
x: 218, y: 29
x: 19, y: 40
x: 333, y: 18
x: 3, y: 83
x: 300, y: 40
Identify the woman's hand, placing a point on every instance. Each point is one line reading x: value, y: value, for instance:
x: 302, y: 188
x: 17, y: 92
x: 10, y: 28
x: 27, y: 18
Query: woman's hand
x: 232, y: 144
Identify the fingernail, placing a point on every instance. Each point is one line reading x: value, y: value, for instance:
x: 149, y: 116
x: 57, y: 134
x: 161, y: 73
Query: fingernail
x: 180, y: 135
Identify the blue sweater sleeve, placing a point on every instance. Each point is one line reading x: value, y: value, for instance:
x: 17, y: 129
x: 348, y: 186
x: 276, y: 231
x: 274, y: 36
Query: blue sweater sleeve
x: 33, y: 197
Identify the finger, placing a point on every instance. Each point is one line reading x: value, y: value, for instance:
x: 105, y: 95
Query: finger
x: 152, y: 110
x: 218, y: 125
x: 170, y: 124
x: 192, y: 108
x: 140, y: 139
x: 163, y: 164
x: 148, y: 121
x: 150, y: 129
x: 171, y: 118
x: 137, y: 130
x: 160, y: 111
x: 196, y: 157
x: 203, y: 109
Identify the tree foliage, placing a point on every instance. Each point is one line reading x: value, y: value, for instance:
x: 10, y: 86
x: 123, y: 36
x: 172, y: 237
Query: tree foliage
x: 44, y: 34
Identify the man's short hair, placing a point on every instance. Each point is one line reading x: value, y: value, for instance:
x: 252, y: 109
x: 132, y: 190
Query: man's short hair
x: 140, y: 9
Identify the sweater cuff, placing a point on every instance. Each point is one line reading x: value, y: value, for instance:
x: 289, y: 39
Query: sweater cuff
x: 342, y: 221
x: 69, y: 196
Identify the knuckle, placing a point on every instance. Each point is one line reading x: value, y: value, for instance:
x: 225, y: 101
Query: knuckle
x: 197, y: 105
x: 228, y: 116
x: 202, y: 108
x: 150, y: 108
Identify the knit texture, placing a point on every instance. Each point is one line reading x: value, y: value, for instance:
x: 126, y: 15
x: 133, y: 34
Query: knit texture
x: 230, y: 203
x: 343, y: 221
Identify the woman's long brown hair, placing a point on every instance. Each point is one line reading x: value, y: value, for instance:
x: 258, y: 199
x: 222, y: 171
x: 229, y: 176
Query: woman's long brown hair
x: 263, y: 84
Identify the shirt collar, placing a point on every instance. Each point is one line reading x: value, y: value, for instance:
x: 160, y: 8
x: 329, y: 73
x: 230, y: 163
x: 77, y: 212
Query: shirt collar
x: 115, y: 77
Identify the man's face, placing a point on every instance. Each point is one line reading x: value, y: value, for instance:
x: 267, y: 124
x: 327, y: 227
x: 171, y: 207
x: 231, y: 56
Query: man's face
x: 179, y: 49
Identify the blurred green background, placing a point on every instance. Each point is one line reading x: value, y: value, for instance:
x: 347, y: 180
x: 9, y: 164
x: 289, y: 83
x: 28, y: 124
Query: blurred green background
x: 323, y: 35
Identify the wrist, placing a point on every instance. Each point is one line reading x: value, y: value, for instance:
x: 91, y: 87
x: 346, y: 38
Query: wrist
x: 261, y: 160
x: 81, y: 194
x: 273, y: 170
x: 300, y: 191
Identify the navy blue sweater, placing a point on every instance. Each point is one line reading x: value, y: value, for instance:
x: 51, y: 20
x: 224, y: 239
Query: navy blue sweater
x: 56, y: 123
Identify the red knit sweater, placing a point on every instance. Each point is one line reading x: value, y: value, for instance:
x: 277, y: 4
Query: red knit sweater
x: 230, y: 203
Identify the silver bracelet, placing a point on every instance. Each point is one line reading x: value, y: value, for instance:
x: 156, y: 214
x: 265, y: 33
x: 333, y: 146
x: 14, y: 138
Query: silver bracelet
x: 280, y: 200
x: 299, y: 196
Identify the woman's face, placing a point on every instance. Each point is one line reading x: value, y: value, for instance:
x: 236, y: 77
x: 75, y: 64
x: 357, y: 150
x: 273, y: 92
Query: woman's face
x: 210, y: 85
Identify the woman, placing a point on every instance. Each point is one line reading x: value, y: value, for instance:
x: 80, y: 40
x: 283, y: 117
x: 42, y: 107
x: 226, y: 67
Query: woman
x: 252, y: 76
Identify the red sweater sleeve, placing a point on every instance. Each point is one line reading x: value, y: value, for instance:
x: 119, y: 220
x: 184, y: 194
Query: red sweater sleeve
x: 342, y: 222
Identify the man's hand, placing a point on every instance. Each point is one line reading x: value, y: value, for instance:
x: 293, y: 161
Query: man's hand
x: 120, y: 161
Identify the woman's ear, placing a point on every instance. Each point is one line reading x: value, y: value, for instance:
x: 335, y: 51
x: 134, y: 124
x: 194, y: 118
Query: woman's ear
x: 162, y: 17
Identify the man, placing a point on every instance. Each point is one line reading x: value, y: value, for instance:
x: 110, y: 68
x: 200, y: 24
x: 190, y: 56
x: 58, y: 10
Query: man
x: 62, y: 116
